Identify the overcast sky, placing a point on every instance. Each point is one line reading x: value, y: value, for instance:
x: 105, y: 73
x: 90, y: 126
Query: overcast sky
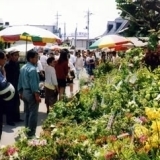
x: 72, y: 13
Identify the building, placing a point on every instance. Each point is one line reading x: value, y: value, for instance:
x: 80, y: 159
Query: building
x: 3, y: 24
x: 116, y: 26
x: 79, y: 41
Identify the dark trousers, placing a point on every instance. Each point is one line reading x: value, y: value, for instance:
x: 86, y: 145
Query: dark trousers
x: 12, y: 110
x: 1, y: 116
x: 31, y: 112
x: 15, y: 104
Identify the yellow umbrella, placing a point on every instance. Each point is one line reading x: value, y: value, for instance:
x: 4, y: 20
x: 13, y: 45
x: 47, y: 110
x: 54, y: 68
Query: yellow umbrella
x: 28, y: 33
x: 109, y: 41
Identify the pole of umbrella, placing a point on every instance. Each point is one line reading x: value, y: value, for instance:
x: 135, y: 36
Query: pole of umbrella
x: 26, y: 46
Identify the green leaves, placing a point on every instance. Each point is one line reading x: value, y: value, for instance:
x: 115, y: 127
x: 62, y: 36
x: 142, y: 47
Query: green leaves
x: 142, y: 16
x: 98, y: 123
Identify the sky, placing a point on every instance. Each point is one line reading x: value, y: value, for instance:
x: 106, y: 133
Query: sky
x: 72, y: 13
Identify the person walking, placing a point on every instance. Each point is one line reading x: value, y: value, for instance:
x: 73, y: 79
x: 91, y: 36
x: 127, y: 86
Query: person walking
x: 61, y: 68
x: 28, y: 88
x: 79, y: 64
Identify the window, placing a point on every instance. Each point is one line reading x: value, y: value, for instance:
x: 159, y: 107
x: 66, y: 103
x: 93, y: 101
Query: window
x: 110, y: 26
x: 6, y: 23
x: 118, y: 24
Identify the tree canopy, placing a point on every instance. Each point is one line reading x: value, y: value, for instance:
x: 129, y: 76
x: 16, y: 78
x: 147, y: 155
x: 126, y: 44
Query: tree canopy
x: 143, y: 15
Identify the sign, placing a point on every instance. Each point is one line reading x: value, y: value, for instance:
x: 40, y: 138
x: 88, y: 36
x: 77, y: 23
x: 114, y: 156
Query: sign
x: 79, y: 34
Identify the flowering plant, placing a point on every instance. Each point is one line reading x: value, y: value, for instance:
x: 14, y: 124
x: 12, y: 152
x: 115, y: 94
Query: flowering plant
x: 143, y: 142
x: 107, y: 120
x: 9, y: 152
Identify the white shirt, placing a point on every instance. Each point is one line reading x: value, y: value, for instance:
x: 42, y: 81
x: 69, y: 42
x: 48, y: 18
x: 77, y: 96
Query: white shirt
x: 43, y: 60
x: 71, y: 66
x: 72, y: 58
x: 56, y: 57
x: 39, y: 66
x: 79, y: 63
x: 90, y: 58
x: 50, y: 77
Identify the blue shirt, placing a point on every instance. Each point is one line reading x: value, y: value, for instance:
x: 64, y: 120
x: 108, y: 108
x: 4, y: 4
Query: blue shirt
x: 28, y: 78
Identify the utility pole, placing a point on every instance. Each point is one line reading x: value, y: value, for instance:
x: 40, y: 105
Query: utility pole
x: 57, y: 19
x: 64, y: 31
x: 88, y: 27
x: 75, y: 38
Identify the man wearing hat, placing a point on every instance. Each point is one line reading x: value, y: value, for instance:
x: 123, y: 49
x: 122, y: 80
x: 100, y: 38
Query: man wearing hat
x: 12, y: 69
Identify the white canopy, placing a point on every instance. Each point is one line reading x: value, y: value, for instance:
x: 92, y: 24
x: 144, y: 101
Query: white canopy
x: 21, y: 48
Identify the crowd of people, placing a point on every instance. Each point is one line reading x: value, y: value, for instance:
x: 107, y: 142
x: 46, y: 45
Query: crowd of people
x: 45, y: 75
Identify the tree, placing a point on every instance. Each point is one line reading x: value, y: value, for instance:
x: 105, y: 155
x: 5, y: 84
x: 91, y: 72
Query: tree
x: 144, y: 19
x: 143, y: 15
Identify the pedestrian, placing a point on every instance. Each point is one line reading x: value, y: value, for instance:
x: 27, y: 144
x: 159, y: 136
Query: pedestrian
x: 41, y: 74
x: 61, y: 68
x: 79, y: 64
x: 28, y: 88
x: 71, y: 76
x: 6, y: 89
x: 12, y: 69
x: 51, y: 84
x: 91, y: 65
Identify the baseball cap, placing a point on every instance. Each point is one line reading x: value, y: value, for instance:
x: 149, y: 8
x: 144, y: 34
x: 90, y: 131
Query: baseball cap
x: 13, y: 51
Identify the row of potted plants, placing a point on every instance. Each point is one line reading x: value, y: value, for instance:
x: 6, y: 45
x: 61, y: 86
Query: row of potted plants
x: 116, y: 117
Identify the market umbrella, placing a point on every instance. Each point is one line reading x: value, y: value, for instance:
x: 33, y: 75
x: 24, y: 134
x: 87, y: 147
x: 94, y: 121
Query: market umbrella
x: 34, y: 34
x: 119, y: 48
x: 55, y: 47
x: 109, y: 41
x: 21, y: 48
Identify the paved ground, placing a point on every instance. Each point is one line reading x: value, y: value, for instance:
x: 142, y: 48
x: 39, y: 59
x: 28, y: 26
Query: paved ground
x: 9, y: 133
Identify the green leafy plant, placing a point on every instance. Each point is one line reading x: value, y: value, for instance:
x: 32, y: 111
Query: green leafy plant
x: 115, y: 118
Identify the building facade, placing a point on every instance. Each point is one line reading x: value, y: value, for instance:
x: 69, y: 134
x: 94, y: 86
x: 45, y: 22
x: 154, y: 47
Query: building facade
x: 116, y: 26
x: 3, y: 24
x: 78, y: 40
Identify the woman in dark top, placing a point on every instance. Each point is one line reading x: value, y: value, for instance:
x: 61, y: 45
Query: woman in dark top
x: 62, y: 71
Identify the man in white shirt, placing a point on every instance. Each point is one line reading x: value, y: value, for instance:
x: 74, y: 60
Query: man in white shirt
x: 43, y: 59
x: 72, y: 58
